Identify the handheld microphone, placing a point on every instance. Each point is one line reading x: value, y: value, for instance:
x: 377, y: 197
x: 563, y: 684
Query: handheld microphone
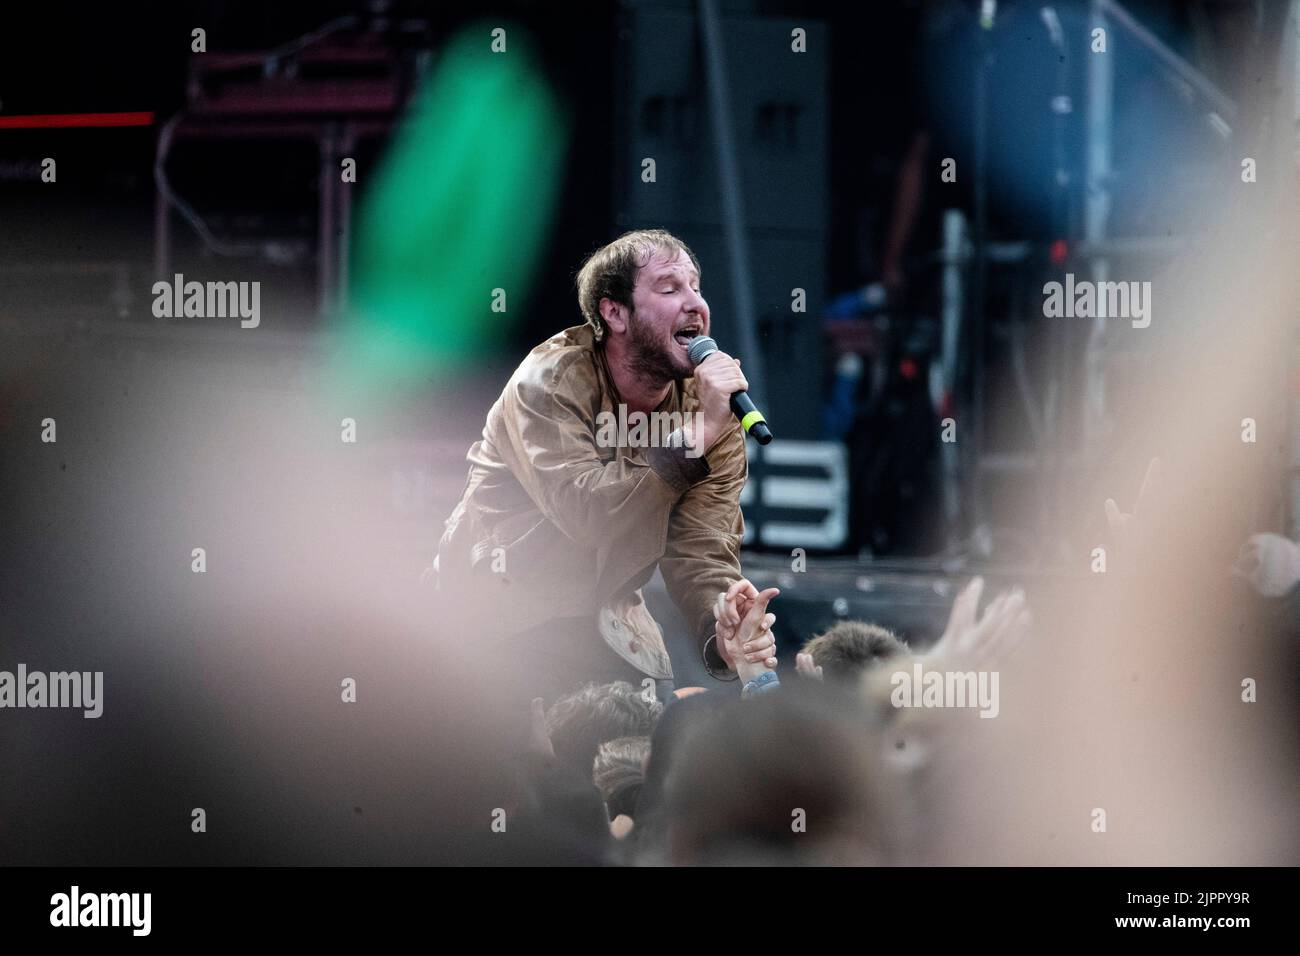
x: 751, y: 419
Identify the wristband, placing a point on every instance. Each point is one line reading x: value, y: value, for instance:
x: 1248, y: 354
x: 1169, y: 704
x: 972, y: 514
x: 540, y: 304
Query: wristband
x: 763, y: 683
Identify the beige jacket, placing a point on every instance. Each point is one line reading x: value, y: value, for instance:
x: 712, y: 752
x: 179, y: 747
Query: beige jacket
x: 552, y: 525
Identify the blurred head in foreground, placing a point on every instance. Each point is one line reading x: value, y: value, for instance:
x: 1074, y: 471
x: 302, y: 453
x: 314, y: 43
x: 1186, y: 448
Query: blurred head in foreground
x: 795, y: 777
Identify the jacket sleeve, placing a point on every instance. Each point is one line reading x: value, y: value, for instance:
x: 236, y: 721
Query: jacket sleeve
x: 704, y: 532
x: 550, y: 442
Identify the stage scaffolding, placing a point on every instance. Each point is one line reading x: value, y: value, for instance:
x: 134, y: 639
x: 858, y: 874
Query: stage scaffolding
x: 966, y: 254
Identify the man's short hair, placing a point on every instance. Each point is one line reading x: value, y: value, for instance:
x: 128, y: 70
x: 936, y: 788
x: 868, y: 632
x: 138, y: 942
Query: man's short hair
x: 610, y: 272
x: 850, y: 648
x: 578, y: 723
x: 618, y: 772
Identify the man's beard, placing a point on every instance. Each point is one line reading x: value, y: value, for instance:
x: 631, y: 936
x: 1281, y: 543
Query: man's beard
x: 649, y: 359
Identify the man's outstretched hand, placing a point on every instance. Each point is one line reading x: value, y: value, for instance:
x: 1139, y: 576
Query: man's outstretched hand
x: 750, y: 645
x: 729, y: 610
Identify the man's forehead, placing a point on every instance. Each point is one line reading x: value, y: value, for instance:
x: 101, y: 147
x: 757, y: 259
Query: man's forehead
x: 660, y: 265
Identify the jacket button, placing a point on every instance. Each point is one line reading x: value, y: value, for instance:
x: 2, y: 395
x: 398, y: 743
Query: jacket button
x: 618, y: 625
x: 633, y: 646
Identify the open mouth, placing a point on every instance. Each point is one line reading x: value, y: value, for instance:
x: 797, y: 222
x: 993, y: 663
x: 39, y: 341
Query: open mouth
x: 684, y: 336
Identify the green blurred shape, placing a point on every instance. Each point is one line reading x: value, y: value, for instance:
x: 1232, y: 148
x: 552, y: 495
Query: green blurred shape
x: 460, y: 206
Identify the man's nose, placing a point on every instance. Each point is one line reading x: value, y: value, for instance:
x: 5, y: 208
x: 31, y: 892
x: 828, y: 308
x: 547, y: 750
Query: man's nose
x: 696, y: 304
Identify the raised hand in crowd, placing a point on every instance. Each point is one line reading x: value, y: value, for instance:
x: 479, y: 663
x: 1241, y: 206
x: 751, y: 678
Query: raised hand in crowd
x: 1130, y: 532
x: 805, y: 666
x: 975, y: 640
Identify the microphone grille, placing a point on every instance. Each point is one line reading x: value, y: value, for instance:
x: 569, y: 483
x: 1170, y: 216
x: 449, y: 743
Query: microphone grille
x: 701, y: 348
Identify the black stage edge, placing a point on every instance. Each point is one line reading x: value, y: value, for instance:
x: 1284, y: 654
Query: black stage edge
x: 921, y: 905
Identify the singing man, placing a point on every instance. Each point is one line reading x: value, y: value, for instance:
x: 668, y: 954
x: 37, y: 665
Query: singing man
x: 558, y: 528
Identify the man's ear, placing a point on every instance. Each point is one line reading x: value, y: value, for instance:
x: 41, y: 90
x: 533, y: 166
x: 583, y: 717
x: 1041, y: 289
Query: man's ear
x: 615, y: 315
